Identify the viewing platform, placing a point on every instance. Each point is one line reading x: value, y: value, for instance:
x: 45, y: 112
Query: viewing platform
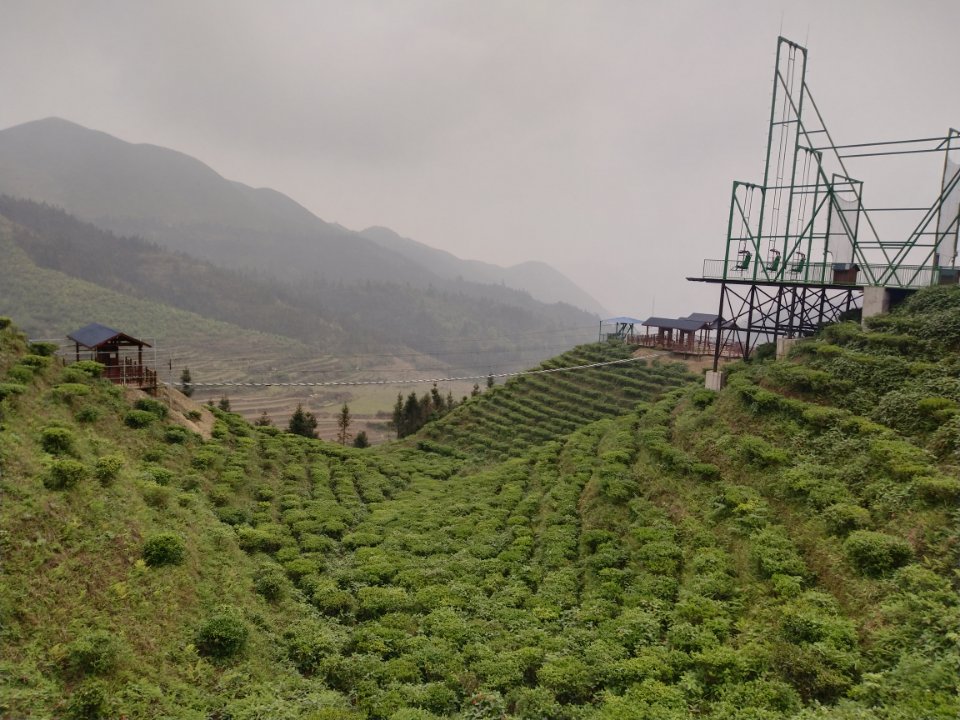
x: 826, y: 274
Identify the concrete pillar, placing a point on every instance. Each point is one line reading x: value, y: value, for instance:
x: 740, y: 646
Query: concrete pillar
x: 715, y: 380
x: 876, y: 301
x: 783, y: 346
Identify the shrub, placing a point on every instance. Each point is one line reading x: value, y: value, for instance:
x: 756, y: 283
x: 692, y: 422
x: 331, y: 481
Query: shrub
x: 703, y: 398
x: 842, y: 518
x: 107, y: 468
x: 5, y: 322
x: 35, y: 362
x: 176, y: 435
x: 92, y: 653
x: 874, y: 553
x: 20, y: 374
x: 164, y: 549
x: 222, y: 636
x: 154, y: 407
x: 56, y: 440
x: 775, y: 554
x: 68, y: 391
x: 90, y: 368
x: 8, y: 389
x: 308, y: 643
x: 45, y: 349
x: 139, y: 419
x: 64, y: 474
x: 194, y: 415
x: 938, y: 488
x: 155, y: 495
x: 90, y: 701
x: 88, y: 415
x: 270, y: 583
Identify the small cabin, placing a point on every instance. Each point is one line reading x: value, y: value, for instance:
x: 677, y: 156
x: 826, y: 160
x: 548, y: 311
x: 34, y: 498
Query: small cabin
x: 119, y: 353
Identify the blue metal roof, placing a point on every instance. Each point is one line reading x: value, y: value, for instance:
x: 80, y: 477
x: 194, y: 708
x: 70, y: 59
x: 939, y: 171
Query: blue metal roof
x: 94, y: 335
x: 627, y: 320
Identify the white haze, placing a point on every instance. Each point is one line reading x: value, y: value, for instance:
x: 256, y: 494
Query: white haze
x: 601, y: 137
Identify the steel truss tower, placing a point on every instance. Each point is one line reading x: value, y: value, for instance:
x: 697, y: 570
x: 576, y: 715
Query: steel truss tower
x: 802, y: 247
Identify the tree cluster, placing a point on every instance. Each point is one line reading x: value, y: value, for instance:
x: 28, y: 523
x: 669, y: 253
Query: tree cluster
x: 412, y: 413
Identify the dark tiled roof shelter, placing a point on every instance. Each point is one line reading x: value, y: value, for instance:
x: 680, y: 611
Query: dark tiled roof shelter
x: 107, y: 346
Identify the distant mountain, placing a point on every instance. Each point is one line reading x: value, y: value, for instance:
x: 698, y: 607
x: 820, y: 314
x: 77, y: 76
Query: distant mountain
x: 182, y: 204
x: 543, y: 282
x: 461, y: 324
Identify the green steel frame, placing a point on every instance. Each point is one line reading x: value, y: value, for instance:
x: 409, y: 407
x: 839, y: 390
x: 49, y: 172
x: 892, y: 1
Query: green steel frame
x: 794, y: 226
x: 802, y: 243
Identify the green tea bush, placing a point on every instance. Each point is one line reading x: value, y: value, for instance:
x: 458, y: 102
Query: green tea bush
x: 194, y: 415
x: 774, y: 553
x: 90, y: 368
x: 164, y: 549
x: 11, y: 389
x: 308, y: 643
x: 938, y: 488
x: 57, y: 441
x: 222, y: 636
x: 154, y: 407
x: 88, y: 414
x: 270, y: 583
x: 138, y: 419
x: 34, y: 362
x: 68, y: 392
x: 107, y: 468
x: 759, y: 453
x: 155, y: 495
x: 90, y: 701
x: 64, y: 474
x: 45, y: 349
x: 843, y: 518
x: 874, y: 553
x: 5, y: 322
x: 92, y: 653
x: 20, y: 374
x: 73, y: 376
x: 176, y: 435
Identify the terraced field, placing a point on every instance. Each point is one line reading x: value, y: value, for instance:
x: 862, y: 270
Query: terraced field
x: 533, y: 409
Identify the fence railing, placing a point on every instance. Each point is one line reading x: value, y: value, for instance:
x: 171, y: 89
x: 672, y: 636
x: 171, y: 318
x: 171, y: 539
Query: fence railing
x: 690, y: 347
x: 905, y: 276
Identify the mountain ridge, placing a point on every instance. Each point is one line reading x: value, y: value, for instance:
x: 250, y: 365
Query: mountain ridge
x: 180, y: 202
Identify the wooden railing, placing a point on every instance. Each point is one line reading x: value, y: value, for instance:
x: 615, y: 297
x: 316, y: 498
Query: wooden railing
x: 688, y: 347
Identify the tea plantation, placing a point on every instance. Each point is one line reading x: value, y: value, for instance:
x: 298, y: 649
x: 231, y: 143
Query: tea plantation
x: 613, y: 543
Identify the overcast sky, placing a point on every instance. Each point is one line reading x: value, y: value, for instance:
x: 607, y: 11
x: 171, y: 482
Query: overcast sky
x: 601, y: 137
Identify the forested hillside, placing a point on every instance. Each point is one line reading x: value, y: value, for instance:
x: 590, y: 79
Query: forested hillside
x: 460, y: 323
x: 601, y: 544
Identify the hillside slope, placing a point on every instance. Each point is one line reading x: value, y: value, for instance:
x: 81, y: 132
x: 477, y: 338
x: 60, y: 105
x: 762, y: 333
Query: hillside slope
x: 758, y: 553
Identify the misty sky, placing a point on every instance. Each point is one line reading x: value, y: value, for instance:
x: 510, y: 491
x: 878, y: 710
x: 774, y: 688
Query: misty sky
x: 600, y: 137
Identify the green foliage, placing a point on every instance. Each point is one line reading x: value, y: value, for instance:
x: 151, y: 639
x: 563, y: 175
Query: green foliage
x: 874, y: 553
x: 88, y: 414
x: 90, y: 368
x: 139, y: 419
x: 222, y: 636
x: 90, y: 701
x: 164, y: 549
x: 57, y: 441
x: 10, y: 389
x: 64, y: 474
x: 302, y: 423
x: 92, y: 653
x: 108, y: 467
x: 152, y: 406
x: 843, y: 518
x: 270, y: 582
x: 44, y: 349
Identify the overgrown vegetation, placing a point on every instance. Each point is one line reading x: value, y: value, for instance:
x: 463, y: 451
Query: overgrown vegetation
x: 603, y: 544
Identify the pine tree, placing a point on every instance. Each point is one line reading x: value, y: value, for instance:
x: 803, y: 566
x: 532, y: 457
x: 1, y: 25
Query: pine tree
x: 224, y: 403
x: 264, y: 420
x: 397, y: 419
x: 490, y: 380
x: 361, y: 440
x: 302, y: 422
x: 185, y: 387
x: 343, y: 425
x: 476, y: 390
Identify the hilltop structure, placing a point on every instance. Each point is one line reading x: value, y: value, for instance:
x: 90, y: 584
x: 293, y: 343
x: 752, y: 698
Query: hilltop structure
x: 115, y: 350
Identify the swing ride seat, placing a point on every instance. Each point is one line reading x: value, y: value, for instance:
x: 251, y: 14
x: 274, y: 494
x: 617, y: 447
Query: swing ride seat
x: 744, y: 264
x: 798, y: 268
x: 775, y: 265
